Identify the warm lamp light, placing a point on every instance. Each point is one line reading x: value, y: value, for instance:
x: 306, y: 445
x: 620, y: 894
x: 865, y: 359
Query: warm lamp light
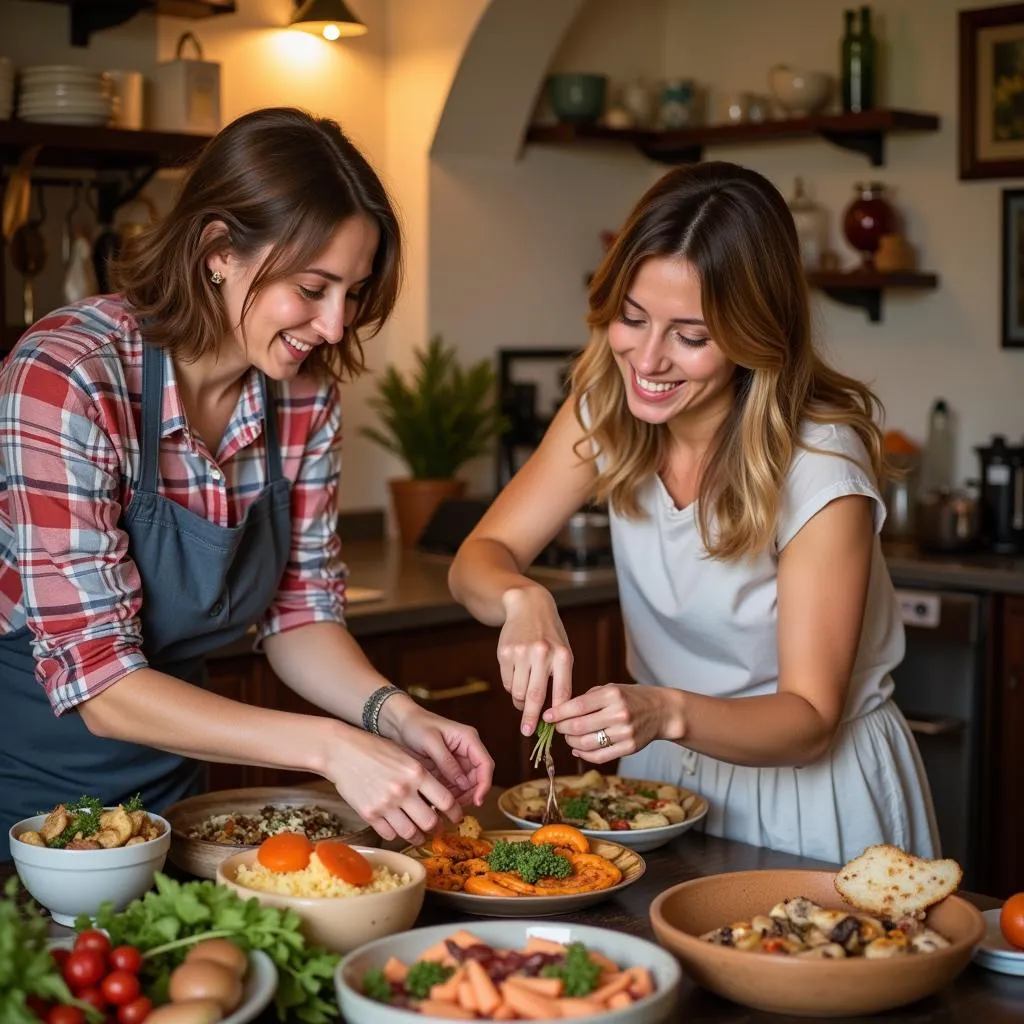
x: 331, y: 19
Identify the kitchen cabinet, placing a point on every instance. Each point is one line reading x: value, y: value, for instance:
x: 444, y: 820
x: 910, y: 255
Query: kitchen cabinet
x: 451, y: 669
x: 1005, y: 824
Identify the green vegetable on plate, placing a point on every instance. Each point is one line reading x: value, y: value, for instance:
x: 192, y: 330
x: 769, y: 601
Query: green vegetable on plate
x: 578, y: 972
x: 529, y: 860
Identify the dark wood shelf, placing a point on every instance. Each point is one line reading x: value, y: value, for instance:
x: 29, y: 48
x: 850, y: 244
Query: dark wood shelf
x: 864, y: 288
x: 90, y: 17
x: 861, y: 133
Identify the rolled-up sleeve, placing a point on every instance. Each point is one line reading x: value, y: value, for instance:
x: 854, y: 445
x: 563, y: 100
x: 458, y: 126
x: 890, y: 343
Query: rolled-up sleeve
x: 81, y: 590
x: 313, y: 586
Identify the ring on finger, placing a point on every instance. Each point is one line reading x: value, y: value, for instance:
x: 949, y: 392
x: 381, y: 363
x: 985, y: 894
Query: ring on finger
x: 603, y: 740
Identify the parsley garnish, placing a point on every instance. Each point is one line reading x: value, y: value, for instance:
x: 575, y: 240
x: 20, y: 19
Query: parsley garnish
x: 424, y: 975
x: 376, y: 986
x: 578, y: 971
x: 529, y: 860
x: 576, y: 807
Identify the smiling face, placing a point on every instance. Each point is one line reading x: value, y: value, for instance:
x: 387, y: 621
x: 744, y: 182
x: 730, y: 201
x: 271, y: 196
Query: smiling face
x: 289, y: 318
x: 673, y: 372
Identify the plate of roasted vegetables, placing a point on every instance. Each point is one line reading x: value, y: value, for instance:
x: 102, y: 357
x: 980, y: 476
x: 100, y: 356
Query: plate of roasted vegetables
x: 512, y: 873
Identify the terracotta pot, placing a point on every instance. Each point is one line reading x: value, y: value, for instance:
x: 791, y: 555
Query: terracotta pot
x: 415, y: 501
x: 867, y: 219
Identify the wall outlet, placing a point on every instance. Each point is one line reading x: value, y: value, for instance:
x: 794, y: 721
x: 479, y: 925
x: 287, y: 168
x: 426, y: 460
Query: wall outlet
x: 918, y: 609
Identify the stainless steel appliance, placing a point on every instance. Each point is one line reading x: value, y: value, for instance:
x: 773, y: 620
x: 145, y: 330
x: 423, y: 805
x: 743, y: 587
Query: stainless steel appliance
x: 1002, y: 495
x: 939, y: 689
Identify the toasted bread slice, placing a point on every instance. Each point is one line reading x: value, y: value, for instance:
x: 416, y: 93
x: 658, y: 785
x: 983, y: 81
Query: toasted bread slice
x: 889, y: 883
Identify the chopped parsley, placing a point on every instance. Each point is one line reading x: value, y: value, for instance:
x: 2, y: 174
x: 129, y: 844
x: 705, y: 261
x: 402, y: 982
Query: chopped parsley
x: 424, y: 975
x: 578, y: 971
x: 576, y: 807
x: 84, y: 818
x: 530, y: 861
x: 376, y: 986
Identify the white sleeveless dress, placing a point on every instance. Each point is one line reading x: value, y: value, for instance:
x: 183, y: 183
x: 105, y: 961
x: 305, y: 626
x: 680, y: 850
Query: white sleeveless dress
x: 710, y: 627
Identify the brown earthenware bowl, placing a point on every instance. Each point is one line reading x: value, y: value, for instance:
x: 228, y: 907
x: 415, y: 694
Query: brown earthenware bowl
x: 803, y: 988
x: 201, y: 858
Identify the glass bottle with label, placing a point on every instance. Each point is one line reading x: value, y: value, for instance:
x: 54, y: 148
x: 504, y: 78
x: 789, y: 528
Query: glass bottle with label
x: 858, y: 62
x: 811, y: 226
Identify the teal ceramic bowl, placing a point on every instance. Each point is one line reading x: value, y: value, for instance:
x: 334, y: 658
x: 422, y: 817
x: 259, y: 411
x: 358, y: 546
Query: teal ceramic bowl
x: 577, y: 97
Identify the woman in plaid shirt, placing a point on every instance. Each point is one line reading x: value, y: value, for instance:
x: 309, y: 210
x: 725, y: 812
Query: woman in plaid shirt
x: 169, y: 461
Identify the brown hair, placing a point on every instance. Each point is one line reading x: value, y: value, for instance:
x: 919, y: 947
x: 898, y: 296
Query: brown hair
x: 735, y: 229
x: 277, y: 178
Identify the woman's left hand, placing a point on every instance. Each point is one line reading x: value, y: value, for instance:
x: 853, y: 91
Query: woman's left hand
x: 630, y: 716
x: 450, y: 751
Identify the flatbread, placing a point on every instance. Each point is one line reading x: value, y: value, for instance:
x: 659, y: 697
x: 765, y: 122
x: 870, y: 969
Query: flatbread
x: 887, y: 882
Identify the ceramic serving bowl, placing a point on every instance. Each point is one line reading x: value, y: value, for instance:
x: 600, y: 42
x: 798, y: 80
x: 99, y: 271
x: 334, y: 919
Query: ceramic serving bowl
x: 626, y: 950
x: 577, y: 97
x: 343, y: 923
x: 804, y: 988
x: 799, y: 92
x: 72, y: 882
x: 201, y: 858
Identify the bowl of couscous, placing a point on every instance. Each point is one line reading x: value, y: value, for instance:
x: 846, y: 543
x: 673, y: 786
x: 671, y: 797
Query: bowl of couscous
x: 335, y: 913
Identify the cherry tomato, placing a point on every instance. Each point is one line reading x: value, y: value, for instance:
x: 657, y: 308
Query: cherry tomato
x: 93, y: 939
x: 1011, y: 920
x: 84, y: 969
x: 60, y: 957
x: 65, y: 1015
x: 134, y: 1012
x: 120, y: 988
x: 94, y: 997
x: 619, y: 825
x: 39, y: 1006
x: 126, y: 958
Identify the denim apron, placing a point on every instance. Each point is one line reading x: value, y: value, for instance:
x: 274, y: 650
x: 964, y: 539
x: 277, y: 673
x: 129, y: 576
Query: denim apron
x: 203, y: 586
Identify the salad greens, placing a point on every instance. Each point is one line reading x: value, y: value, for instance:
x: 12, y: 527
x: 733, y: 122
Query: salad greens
x: 167, y: 922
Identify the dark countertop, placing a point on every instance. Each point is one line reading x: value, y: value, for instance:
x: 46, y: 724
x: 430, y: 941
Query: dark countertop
x: 976, y: 995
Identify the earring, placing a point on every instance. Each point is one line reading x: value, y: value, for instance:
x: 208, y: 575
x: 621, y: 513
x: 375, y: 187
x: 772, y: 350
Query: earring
x: 216, y: 277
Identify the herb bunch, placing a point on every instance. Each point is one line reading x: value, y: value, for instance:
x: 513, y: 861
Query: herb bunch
x: 545, y: 733
x: 167, y: 922
x: 529, y: 860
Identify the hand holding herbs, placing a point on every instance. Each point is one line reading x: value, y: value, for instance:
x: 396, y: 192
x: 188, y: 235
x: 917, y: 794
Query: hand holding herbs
x: 545, y: 733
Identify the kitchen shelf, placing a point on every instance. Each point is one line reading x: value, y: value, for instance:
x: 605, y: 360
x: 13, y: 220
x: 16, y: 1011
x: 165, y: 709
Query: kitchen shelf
x: 863, y: 133
x: 863, y: 289
x: 90, y: 17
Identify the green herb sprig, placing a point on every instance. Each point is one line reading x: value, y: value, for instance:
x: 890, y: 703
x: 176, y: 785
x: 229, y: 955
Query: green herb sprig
x: 26, y: 966
x: 576, y: 808
x: 545, y: 733
x: 529, y: 860
x: 424, y: 975
x: 167, y: 922
x: 579, y: 972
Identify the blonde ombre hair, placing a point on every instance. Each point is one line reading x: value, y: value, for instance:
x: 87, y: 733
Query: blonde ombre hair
x: 735, y: 229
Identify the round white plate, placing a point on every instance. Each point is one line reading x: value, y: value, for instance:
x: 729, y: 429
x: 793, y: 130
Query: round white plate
x: 84, y: 120
x: 994, y: 952
x: 257, y: 990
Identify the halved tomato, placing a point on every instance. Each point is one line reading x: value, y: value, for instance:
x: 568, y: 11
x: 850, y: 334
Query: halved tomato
x: 1011, y: 920
x: 286, y: 852
x: 344, y: 862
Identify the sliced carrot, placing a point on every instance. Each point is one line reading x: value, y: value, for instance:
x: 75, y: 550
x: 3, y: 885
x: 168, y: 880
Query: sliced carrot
x: 550, y: 987
x: 485, y: 992
x: 448, y: 991
x: 534, y: 944
x: 573, y: 1007
x: 616, y: 985
x: 286, y: 852
x: 641, y: 983
x: 602, y: 961
x: 467, y: 1000
x: 438, y: 953
x: 445, y: 1010
x: 504, y: 1012
x: 344, y: 862
x: 529, y: 1005
x: 607, y: 977
x: 464, y: 939
x: 620, y: 1001
x: 395, y: 970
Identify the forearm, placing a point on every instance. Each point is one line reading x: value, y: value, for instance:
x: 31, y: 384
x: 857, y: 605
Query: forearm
x: 323, y: 663
x: 483, y: 578
x: 779, y: 729
x: 160, y: 711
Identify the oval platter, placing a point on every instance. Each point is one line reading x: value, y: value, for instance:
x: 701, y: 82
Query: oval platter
x: 629, y: 862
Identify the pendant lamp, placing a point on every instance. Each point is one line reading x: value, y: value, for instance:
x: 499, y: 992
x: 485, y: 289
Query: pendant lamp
x: 331, y: 19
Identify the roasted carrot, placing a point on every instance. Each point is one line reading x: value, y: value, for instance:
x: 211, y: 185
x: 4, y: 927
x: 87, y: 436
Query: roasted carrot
x: 641, y: 983
x: 485, y: 992
x: 438, y: 953
x: 529, y: 1005
x: 616, y: 985
x: 602, y: 961
x: 620, y: 1001
x: 467, y: 999
x: 464, y: 939
x: 395, y: 970
x: 504, y: 1012
x: 534, y: 944
x: 448, y: 991
x: 445, y: 1010
x: 550, y: 987
x: 573, y: 1007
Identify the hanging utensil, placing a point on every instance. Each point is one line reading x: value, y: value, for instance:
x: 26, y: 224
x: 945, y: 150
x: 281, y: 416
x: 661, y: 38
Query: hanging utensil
x: 18, y: 194
x: 70, y: 227
x: 28, y: 253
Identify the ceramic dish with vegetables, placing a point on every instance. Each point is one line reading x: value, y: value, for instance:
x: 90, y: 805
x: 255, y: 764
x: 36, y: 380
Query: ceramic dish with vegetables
x: 508, y: 970
x: 639, y: 813
x: 553, y: 870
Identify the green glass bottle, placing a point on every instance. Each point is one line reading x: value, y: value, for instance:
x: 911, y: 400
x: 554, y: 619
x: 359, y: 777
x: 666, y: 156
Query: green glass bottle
x: 849, y: 62
x: 868, y: 60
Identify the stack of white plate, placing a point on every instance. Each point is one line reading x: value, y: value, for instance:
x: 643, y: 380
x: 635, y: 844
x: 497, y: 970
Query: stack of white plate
x: 994, y: 952
x: 6, y: 87
x: 64, y: 94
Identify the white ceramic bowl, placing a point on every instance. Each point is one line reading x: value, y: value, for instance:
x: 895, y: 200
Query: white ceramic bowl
x: 626, y: 950
x: 799, y: 92
x: 72, y: 882
x: 341, y: 923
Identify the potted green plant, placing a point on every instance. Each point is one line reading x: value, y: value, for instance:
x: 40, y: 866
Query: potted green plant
x: 435, y: 421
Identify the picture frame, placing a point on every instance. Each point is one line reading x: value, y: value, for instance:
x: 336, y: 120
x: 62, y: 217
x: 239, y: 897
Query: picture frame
x: 1013, y: 268
x: 991, y: 41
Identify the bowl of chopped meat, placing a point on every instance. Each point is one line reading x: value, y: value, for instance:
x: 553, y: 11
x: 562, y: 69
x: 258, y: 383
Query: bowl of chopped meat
x: 882, y: 932
x: 81, y: 854
x: 207, y: 829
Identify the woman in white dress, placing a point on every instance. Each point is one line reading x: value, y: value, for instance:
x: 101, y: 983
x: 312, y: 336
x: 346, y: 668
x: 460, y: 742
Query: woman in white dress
x: 742, y: 478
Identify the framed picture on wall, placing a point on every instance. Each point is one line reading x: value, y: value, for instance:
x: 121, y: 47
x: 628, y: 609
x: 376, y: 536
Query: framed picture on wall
x: 1013, y: 268
x: 992, y: 92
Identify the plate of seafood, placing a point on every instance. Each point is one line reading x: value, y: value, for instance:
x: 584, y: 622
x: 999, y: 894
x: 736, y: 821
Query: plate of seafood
x: 642, y: 814
x: 512, y: 873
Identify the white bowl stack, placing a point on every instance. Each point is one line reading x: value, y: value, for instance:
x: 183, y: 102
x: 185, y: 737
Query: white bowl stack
x: 64, y: 94
x: 6, y: 88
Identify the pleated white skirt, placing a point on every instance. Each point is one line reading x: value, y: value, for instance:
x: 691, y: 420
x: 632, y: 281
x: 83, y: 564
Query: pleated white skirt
x: 869, y: 788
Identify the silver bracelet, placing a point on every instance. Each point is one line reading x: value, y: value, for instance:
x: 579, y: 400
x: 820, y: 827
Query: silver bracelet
x: 371, y: 709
